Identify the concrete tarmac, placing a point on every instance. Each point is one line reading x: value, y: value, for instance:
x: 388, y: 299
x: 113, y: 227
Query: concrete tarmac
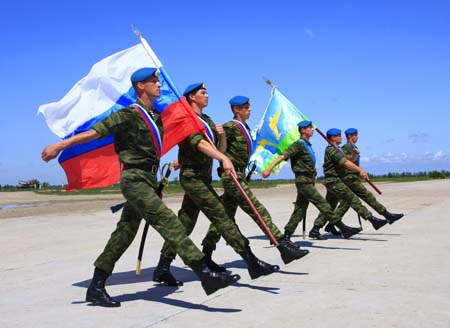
x: 398, y: 276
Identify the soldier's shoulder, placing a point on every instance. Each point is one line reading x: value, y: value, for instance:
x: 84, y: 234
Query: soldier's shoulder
x: 230, y: 125
x: 127, y: 110
x: 347, y: 148
x: 205, y: 116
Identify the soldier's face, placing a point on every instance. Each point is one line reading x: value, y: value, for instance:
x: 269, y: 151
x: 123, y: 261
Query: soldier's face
x: 200, y: 98
x: 152, y: 87
x: 308, y: 131
x: 337, y: 139
x: 243, y: 112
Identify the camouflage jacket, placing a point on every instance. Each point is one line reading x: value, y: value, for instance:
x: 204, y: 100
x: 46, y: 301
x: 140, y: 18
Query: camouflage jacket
x: 238, y: 145
x: 333, y: 164
x: 190, y: 158
x: 348, y: 150
x: 133, y: 141
x: 302, y: 162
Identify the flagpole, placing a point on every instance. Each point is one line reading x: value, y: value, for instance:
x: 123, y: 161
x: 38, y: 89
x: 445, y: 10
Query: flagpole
x: 147, y: 47
x: 255, y: 211
x: 268, y: 82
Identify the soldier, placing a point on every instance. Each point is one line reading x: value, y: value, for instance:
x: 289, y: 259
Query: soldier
x: 303, y: 161
x: 194, y: 157
x: 239, y: 147
x: 354, y: 182
x: 137, y: 152
x: 334, y: 167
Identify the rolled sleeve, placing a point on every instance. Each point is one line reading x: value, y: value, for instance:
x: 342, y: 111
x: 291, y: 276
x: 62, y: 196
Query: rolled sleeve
x: 195, y: 139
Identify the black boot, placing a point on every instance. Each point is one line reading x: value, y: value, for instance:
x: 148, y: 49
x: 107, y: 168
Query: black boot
x: 315, y: 233
x: 162, y: 273
x: 290, y: 252
x: 96, y: 293
x: 209, y: 261
x: 392, y: 217
x: 376, y: 222
x: 331, y: 229
x: 287, y: 236
x: 347, y: 231
x: 211, y: 280
x: 256, y: 267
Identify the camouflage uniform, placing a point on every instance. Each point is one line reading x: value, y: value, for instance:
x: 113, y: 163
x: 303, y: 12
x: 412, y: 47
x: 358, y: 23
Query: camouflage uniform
x: 133, y: 143
x: 336, y: 190
x: 195, y: 178
x: 303, y: 165
x: 352, y: 180
x: 239, y: 153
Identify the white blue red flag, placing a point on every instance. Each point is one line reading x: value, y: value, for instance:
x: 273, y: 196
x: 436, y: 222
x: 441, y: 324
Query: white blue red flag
x: 106, y: 89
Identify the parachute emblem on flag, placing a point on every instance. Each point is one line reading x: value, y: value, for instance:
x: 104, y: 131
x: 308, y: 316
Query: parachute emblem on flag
x: 276, y: 131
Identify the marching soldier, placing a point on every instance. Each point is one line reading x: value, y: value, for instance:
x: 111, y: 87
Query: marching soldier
x: 195, y: 159
x: 138, y: 153
x: 303, y: 163
x: 239, y: 147
x: 354, y: 182
x: 335, y: 165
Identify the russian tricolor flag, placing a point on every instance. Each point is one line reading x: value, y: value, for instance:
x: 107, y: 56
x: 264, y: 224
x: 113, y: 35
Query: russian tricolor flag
x: 106, y: 89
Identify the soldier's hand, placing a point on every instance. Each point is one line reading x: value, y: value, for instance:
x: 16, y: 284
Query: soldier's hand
x: 266, y: 174
x: 228, y: 167
x: 364, y: 174
x: 220, y: 130
x: 356, y: 151
x: 50, y: 152
x: 176, y: 165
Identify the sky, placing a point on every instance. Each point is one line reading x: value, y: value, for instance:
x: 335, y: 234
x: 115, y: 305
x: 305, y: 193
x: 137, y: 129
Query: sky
x: 380, y: 66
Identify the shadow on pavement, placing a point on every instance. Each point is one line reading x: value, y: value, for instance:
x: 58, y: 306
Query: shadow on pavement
x: 308, y: 244
x: 160, y: 295
x: 130, y: 277
x: 271, y: 290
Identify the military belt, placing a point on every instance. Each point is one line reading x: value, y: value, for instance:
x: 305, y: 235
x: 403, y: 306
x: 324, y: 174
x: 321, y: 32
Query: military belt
x: 310, y: 176
x: 197, y: 168
x: 237, y: 169
x: 150, y: 168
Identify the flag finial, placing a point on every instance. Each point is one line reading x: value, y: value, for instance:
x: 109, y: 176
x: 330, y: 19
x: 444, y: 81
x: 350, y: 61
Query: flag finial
x: 268, y: 82
x: 136, y: 31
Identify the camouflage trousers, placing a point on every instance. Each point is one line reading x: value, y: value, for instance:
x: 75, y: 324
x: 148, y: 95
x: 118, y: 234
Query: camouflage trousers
x: 201, y: 196
x: 338, y: 192
x: 138, y: 188
x: 306, y: 193
x: 232, y: 198
x: 355, y: 184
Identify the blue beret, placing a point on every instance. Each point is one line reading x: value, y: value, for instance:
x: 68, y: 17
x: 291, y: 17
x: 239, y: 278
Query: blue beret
x: 194, y: 87
x: 304, y: 124
x: 239, y: 101
x: 351, y: 131
x: 333, y: 132
x: 143, y: 74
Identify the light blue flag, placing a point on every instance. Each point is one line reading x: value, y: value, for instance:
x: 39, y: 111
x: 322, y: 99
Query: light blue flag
x: 277, y: 130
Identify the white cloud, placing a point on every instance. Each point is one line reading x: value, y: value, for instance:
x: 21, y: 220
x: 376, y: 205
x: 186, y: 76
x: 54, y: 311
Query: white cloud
x: 405, y: 157
x: 419, y: 137
x: 309, y: 32
x: 441, y: 155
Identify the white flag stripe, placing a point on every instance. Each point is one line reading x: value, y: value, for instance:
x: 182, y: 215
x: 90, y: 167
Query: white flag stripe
x: 97, y: 92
